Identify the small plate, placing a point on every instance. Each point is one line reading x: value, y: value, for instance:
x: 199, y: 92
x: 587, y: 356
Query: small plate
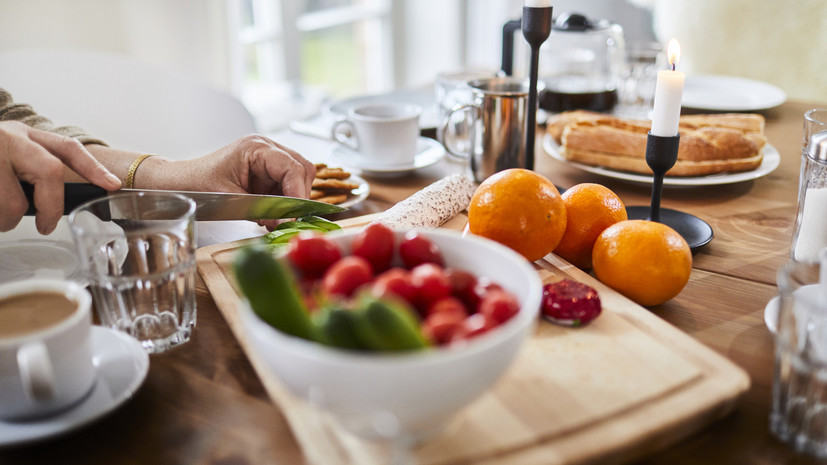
x: 122, y: 366
x: 25, y: 253
x: 429, y: 152
x: 429, y: 119
x: 357, y: 195
x: 730, y: 93
x: 770, y: 162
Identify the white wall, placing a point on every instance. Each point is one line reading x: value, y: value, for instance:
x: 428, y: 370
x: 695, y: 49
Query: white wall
x: 183, y: 35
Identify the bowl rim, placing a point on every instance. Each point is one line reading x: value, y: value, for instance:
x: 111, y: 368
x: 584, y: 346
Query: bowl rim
x: 526, y: 319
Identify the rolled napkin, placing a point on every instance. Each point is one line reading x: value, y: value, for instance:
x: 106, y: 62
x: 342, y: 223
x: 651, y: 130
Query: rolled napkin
x: 432, y: 206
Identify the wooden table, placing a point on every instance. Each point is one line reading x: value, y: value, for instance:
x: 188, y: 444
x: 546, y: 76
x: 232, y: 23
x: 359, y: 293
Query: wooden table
x: 202, y: 402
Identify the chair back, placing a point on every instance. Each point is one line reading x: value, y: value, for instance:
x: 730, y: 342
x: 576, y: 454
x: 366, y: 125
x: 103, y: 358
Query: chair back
x: 129, y: 104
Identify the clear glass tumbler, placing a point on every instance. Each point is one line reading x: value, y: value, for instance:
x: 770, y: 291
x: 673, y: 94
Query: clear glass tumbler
x: 799, y: 395
x: 450, y: 91
x: 138, y: 253
x: 638, y: 76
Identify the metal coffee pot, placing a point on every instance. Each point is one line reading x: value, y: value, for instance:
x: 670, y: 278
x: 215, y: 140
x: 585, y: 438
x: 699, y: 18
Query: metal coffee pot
x: 580, y: 63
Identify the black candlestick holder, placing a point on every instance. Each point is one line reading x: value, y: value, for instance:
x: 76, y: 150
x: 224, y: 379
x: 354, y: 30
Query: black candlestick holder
x: 661, y: 155
x: 536, y: 27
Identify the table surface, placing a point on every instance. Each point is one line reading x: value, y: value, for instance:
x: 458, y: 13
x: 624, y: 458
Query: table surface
x: 202, y: 402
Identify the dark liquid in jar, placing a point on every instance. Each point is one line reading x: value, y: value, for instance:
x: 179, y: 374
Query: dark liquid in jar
x: 555, y: 102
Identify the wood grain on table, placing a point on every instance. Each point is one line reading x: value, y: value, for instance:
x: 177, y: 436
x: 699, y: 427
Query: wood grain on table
x: 203, y: 402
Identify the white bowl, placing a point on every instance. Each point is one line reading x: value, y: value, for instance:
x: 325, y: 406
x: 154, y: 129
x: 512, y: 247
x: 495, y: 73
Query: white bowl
x: 418, y: 391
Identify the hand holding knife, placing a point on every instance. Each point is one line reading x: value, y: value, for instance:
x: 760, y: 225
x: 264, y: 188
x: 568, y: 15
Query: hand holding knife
x: 209, y: 206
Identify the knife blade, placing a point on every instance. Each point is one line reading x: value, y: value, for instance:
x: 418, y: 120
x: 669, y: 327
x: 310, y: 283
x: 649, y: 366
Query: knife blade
x: 209, y: 206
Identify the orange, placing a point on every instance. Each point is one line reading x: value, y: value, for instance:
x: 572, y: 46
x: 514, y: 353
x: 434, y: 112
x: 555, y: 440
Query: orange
x: 521, y: 209
x: 590, y: 208
x: 646, y: 261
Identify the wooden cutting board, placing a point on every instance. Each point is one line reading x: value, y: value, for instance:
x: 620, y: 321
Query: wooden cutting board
x: 613, y: 391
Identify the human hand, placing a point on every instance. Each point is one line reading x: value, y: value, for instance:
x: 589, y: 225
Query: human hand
x: 38, y: 157
x: 252, y: 164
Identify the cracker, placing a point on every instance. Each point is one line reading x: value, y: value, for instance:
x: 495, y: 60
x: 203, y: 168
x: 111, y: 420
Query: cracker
x: 333, y: 198
x: 331, y: 173
x: 334, y: 184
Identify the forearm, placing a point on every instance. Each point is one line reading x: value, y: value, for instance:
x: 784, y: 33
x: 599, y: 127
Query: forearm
x: 151, y: 173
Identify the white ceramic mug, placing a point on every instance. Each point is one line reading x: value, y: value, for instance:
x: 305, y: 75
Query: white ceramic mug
x: 46, y: 360
x: 382, y: 133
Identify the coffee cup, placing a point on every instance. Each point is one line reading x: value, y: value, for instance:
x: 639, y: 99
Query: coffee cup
x: 46, y: 362
x: 382, y: 133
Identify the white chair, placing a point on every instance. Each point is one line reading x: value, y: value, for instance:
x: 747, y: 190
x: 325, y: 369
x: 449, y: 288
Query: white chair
x: 129, y: 104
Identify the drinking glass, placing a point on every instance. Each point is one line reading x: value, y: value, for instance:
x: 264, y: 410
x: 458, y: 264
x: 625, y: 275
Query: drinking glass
x: 799, y: 396
x: 451, y: 90
x: 638, y: 76
x: 138, y: 253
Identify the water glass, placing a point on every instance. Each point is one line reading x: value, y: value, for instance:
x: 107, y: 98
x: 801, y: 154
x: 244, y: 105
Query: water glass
x: 638, y: 76
x: 451, y: 90
x: 799, y: 396
x: 138, y: 253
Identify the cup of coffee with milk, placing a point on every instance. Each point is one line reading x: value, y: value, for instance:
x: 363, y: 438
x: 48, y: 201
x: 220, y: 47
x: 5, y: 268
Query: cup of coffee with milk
x: 46, y: 361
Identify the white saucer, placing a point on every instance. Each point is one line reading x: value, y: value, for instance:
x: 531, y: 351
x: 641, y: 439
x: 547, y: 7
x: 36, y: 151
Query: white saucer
x: 429, y: 152
x: 730, y: 93
x: 122, y: 366
x: 25, y: 253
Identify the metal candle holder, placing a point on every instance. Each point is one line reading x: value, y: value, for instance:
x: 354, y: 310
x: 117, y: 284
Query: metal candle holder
x: 661, y: 155
x: 536, y: 27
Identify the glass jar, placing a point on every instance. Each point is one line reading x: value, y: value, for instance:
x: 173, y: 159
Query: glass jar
x: 810, y: 233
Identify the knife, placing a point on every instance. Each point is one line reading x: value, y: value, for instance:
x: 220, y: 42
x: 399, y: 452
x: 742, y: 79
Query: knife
x: 209, y: 206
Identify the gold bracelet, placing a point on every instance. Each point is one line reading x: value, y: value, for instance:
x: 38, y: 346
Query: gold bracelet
x: 129, y: 180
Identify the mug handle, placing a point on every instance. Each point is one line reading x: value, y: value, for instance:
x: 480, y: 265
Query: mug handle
x: 36, y: 372
x: 446, y: 124
x: 348, y: 138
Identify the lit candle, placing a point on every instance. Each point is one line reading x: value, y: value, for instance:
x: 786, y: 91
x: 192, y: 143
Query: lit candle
x: 538, y: 3
x: 668, y: 94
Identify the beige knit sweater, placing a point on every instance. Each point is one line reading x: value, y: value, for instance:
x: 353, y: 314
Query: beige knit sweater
x: 11, y: 111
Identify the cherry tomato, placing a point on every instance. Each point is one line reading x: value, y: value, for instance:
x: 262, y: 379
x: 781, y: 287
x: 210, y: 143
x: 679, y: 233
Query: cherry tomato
x: 395, y: 281
x: 430, y: 283
x: 415, y: 249
x: 440, y: 327
x: 375, y: 244
x: 481, y: 289
x: 499, y: 306
x: 473, y: 326
x: 462, y: 286
x: 346, y: 275
x: 449, y: 304
x: 312, y: 254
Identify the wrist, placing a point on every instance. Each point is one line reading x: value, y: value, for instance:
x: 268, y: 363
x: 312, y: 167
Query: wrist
x: 152, y: 174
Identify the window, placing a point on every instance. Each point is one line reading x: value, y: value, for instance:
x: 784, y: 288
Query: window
x: 290, y: 54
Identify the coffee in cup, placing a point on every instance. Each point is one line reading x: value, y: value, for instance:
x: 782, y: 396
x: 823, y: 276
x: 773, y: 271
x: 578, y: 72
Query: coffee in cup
x: 382, y: 133
x: 46, y: 360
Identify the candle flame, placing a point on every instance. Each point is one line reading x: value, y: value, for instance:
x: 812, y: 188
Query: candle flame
x: 673, y: 51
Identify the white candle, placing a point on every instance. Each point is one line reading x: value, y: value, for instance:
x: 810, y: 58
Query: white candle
x: 668, y: 94
x: 538, y: 3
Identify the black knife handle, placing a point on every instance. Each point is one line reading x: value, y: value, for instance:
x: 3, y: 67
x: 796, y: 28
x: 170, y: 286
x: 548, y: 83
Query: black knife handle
x: 74, y: 195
